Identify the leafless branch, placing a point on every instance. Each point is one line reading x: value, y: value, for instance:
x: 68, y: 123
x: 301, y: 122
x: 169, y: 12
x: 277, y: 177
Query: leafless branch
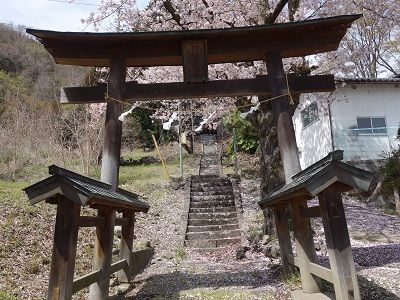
x: 316, y: 10
x: 172, y: 11
x: 271, y: 18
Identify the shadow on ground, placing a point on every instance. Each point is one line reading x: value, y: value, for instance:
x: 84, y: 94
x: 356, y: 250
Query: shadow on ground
x: 377, y: 256
x: 169, y: 285
x: 371, y: 291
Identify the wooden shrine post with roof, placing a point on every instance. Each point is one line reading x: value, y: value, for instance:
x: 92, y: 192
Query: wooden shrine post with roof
x: 70, y: 191
x: 326, y: 179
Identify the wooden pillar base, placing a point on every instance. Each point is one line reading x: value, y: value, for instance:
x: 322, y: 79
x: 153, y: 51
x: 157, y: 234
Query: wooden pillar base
x: 103, y: 254
x: 339, y: 249
x: 304, y: 247
x: 127, y: 234
x: 285, y: 244
x: 64, y: 250
x: 300, y: 295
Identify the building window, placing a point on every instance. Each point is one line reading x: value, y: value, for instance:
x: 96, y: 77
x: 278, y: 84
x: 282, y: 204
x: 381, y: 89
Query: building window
x: 309, y: 114
x: 371, y: 125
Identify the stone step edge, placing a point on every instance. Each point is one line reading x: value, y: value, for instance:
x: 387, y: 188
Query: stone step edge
x: 208, y: 250
x: 221, y: 242
x: 203, y: 227
x: 210, y: 221
x: 207, y: 204
x: 205, y: 210
x: 214, y: 219
x: 214, y: 214
x: 215, y: 231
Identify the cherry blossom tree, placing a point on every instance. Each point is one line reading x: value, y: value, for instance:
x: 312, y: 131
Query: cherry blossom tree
x: 370, y: 49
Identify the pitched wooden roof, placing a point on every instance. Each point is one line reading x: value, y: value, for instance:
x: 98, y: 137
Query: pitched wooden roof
x: 318, y: 177
x: 224, y: 45
x: 82, y: 190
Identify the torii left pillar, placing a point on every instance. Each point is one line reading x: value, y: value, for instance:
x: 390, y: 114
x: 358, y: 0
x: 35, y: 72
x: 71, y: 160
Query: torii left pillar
x: 109, y: 174
x: 290, y: 158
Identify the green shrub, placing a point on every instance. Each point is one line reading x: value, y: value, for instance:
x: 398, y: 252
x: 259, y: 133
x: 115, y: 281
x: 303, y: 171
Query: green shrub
x: 391, y: 172
x: 246, y: 134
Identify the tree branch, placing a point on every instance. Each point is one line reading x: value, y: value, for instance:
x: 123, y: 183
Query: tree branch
x: 271, y: 18
x: 172, y: 11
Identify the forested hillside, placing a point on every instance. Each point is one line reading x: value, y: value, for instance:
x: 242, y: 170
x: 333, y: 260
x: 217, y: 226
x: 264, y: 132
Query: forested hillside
x: 34, y: 130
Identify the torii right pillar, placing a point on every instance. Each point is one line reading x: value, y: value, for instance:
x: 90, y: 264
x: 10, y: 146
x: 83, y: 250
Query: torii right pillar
x: 291, y: 165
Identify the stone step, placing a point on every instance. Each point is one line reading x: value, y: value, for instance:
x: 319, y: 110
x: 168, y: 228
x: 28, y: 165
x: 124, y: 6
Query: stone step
x: 211, y: 243
x: 213, y: 235
x: 212, y: 227
x: 216, y: 215
x: 212, y: 209
x: 208, y: 204
x: 210, y: 162
x: 211, y: 171
x: 208, y: 250
x: 211, y: 156
x: 211, y: 222
x: 199, y: 177
x: 216, y: 189
x: 197, y: 185
x: 209, y: 167
x: 225, y: 197
x: 210, y: 180
x: 212, y: 193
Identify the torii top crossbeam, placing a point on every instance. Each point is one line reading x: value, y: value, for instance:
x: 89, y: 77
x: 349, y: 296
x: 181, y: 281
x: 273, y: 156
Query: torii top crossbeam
x: 141, y: 49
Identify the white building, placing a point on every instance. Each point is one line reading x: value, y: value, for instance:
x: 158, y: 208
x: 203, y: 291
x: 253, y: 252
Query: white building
x: 362, y: 117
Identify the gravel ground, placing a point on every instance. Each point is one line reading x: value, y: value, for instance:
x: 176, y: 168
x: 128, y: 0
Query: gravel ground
x: 177, y: 274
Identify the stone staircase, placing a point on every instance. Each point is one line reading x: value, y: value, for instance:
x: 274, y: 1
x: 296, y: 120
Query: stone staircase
x: 212, y: 218
x: 210, y: 161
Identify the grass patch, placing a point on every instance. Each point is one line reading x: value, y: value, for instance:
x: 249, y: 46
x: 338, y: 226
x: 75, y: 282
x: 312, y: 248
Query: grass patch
x: 293, y: 280
x: 11, y: 189
x: 224, y: 294
x: 389, y: 210
x: 180, y: 254
x: 5, y: 296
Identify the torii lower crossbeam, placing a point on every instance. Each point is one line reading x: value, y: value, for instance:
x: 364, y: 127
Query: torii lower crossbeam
x: 184, y: 90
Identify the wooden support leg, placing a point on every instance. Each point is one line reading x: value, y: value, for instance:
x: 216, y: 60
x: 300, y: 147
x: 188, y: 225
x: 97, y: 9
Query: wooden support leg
x: 103, y: 254
x: 304, y: 247
x: 64, y: 250
x: 282, y: 230
x: 127, y: 234
x: 339, y: 248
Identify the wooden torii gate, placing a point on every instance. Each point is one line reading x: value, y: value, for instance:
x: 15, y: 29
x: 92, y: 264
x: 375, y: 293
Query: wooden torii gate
x: 195, y: 50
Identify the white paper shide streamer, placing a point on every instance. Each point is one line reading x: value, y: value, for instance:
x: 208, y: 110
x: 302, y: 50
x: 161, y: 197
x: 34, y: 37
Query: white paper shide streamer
x: 167, y: 125
x: 252, y: 109
x: 205, y: 121
x: 123, y: 115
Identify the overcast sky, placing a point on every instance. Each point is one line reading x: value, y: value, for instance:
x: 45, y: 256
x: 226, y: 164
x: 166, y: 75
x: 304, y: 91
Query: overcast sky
x: 50, y: 14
